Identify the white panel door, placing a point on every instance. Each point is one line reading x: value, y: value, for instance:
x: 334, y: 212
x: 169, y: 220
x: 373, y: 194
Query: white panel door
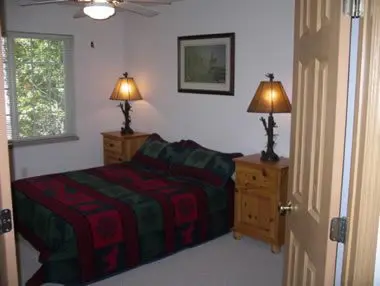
x: 320, y: 78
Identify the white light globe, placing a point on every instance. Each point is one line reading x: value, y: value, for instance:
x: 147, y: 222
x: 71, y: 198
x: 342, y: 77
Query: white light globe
x: 99, y: 11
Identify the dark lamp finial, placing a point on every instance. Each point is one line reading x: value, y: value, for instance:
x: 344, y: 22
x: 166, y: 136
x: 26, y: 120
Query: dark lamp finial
x: 125, y: 74
x: 270, y: 76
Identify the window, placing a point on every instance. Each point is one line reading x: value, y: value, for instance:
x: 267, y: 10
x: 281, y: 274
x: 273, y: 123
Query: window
x: 38, y: 86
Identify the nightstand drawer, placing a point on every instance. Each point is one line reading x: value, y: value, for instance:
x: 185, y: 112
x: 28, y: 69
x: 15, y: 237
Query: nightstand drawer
x: 254, y: 191
x: 259, y: 212
x: 119, y: 147
x: 260, y: 177
x: 114, y: 146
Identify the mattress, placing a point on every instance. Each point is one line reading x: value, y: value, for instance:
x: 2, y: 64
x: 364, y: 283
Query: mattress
x: 95, y: 223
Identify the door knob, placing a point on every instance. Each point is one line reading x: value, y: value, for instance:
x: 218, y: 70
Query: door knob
x: 285, y: 209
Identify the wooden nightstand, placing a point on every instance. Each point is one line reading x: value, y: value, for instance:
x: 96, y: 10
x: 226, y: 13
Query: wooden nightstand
x: 119, y: 148
x: 260, y: 187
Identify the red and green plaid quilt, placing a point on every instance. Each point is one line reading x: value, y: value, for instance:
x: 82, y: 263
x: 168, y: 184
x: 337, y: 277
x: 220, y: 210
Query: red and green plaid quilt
x: 95, y: 223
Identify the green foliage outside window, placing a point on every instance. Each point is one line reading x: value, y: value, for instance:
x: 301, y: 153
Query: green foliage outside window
x: 39, y: 73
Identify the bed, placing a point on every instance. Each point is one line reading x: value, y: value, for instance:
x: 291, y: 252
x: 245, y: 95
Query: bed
x: 94, y: 223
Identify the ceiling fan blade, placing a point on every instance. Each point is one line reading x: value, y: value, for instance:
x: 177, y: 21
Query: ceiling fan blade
x: 79, y: 14
x: 151, y: 2
x: 74, y: 3
x: 127, y: 6
x: 34, y: 3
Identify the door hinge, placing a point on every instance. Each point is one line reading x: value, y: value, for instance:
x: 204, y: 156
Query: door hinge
x: 5, y: 221
x: 353, y: 8
x: 338, y: 229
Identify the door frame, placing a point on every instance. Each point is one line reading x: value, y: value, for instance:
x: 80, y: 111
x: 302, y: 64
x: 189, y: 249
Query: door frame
x: 364, y: 196
x: 8, y: 258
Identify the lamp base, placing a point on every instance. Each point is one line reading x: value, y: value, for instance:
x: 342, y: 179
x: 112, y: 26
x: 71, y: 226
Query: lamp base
x: 126, y: 130
x: 269, y: 156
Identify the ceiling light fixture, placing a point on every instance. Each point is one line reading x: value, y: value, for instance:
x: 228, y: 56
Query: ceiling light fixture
x: 99, y: 11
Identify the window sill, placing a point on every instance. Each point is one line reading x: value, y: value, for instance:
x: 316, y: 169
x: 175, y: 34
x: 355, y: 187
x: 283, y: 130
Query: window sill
x: 43, y: 141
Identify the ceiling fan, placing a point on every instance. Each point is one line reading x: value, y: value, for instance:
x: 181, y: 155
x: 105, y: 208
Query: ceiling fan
x: 104, y: 9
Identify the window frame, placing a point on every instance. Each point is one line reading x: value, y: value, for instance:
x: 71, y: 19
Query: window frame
x: 70, y: 130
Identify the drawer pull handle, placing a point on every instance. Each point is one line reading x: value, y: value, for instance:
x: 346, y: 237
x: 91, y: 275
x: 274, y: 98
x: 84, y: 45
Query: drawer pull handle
x: 250, y: 216
x: 120, y: 159
x: 111, y: 145
x: 254, y: 178
x: 264, y: 172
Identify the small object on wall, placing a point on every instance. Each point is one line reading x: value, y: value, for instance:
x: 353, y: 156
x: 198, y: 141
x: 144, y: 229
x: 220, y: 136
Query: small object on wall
x: 206, y: 64
x: 126, y: 90
x: 92, y: 45
x: 270, y: 97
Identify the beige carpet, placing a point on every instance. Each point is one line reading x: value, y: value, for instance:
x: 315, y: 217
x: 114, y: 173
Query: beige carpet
x: 221, y: 262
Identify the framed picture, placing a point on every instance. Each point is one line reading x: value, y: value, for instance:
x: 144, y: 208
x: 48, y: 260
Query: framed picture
x: 206, y: 64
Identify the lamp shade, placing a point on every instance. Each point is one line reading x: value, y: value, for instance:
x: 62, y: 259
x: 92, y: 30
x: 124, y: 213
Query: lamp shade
x: 270, y: 97
x: 126, y: 89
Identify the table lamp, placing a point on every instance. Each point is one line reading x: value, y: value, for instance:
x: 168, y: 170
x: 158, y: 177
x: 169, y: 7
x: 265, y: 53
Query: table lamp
x: 126, y: 90
x: 270, y: 97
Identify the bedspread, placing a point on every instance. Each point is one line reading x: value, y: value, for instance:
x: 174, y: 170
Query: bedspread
x: 94, y: 223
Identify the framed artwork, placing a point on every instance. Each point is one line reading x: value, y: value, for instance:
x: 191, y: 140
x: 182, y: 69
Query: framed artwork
x: 206, y: 64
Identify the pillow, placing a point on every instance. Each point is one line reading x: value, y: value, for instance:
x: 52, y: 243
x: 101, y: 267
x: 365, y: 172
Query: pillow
x: 205, y: 165
x: 156, y: 153
x: 149, y: 153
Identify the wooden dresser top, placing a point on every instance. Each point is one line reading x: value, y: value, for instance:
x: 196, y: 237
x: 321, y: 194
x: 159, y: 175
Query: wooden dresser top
x: 255, y: 160
x: 118, y: 135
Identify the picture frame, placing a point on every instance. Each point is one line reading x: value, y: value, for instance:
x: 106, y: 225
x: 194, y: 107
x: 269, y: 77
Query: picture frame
x: 206, y: 64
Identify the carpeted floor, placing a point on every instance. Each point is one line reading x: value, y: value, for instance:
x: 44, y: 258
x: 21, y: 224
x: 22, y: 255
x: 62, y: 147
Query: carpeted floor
x: 221, y: 262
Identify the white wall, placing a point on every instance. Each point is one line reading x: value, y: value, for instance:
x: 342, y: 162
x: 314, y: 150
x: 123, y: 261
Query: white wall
x: 96, y: 71
x: 147, y: 49
x: 264, y: 43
